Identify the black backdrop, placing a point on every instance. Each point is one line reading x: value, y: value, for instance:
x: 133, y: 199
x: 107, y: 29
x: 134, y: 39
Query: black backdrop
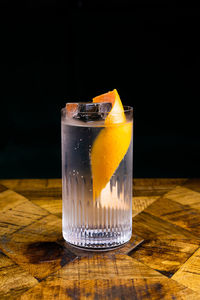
x: 53, y: 52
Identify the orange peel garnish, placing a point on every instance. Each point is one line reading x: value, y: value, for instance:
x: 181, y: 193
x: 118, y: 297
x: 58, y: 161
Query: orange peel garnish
x: 112, y: 143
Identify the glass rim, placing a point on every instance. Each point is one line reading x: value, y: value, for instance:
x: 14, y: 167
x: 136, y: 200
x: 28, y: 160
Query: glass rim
x: 126, y: 109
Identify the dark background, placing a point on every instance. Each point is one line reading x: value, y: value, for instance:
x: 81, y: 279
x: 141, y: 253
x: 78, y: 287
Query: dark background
x: 53, y: 52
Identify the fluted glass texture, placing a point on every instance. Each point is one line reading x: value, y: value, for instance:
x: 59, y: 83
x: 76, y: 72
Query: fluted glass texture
x: 104, y: 221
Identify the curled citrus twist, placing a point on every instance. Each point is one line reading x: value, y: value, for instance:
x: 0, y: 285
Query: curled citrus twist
x: 112, y: 143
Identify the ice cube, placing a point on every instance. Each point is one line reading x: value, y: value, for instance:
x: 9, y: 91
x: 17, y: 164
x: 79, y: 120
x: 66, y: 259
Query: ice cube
x: 89, y: 111
x: 71, y: 109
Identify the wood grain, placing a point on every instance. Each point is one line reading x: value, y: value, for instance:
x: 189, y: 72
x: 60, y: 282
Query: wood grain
x: 105, y: 266
x: 17, y: 212
x: 161, y: 261
x: 35, y: 249
x: 150, y: 227
x: 140, y: 203
x: 193, y: 184
x: 13, y: 278
x: 45, y: 193
x: 108, y: 277
x: 189, y: 273
x: 155, y: 186
x: 176, y: 213
x: 184, y: 196
x: 111, y: 289
x: 165, y: 256
x: 53, y: 205
x: 32, y: 186
x: 2, y: 188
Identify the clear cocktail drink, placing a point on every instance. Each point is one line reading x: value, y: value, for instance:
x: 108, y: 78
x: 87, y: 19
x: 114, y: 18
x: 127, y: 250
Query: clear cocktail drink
x: 97, y: 210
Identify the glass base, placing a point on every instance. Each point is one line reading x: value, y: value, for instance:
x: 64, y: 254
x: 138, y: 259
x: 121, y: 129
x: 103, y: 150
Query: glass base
x: 97, y: 240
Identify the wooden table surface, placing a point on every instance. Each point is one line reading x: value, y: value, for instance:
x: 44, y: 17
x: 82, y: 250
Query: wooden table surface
x: 162, y: 260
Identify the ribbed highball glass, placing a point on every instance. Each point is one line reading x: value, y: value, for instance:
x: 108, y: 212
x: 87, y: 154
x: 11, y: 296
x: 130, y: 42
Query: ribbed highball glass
x: 105, y: 220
